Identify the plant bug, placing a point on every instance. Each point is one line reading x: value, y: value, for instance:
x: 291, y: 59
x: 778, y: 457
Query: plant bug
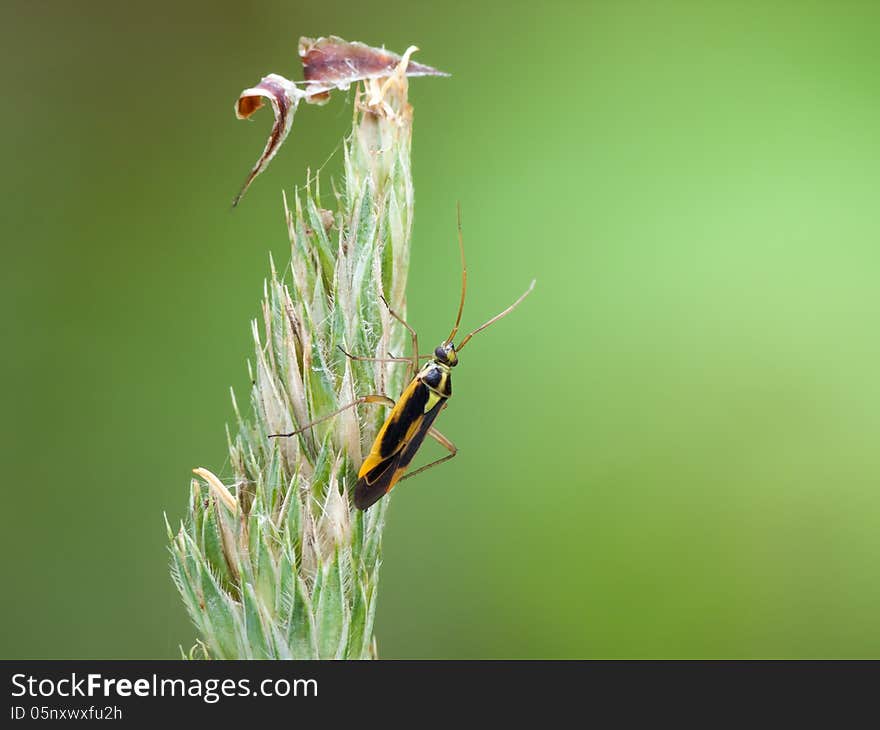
x: 412, y: 417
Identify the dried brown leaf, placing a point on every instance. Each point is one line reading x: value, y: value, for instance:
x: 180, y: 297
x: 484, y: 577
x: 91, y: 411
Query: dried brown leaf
x: 332, y: 62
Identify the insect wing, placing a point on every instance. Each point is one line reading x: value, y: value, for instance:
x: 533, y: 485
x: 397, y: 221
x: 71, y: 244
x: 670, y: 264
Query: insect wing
x: 400, y: 425
x: 379, y: 475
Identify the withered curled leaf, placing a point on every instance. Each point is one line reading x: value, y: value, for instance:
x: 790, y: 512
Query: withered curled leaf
x: 284, y: 97
x: 328, y: 63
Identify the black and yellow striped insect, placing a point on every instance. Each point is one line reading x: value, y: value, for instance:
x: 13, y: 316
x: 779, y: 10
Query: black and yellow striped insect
x: 412, y: 416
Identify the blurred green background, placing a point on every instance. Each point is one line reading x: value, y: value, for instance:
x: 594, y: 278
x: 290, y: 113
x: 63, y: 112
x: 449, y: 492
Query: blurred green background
x: 671, y: 450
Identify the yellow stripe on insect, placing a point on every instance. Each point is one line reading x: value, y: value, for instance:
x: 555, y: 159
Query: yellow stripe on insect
x: 433, y: 400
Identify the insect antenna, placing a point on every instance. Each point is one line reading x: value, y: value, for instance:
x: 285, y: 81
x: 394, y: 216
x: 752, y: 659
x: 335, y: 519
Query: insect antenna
x: 463, y: 277
x: 497, y: 316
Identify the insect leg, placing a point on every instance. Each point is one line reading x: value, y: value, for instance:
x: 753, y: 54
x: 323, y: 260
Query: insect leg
x: 390, y: 358
x: 445, y: 443
x: 414, y: 360
x: 381, y: 399
x: 360, y: 358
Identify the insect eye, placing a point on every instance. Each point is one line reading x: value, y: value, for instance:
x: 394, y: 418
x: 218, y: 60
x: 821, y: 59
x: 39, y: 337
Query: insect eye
x: 440, y: 353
